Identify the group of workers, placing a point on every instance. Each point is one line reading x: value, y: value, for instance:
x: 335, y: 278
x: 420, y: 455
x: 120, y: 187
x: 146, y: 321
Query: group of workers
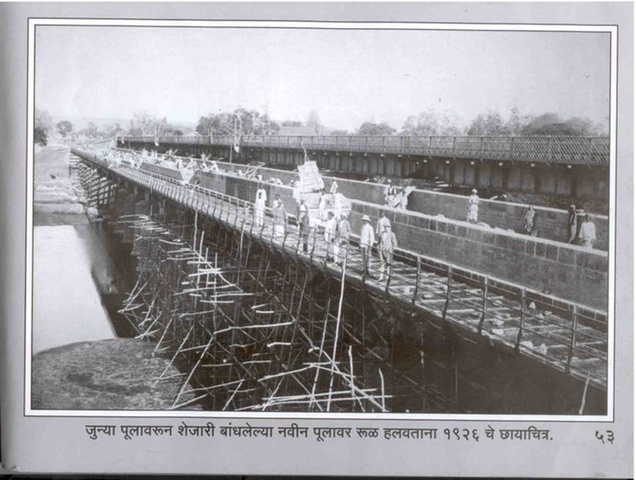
x: 336, y: 234
x: 578, y: 232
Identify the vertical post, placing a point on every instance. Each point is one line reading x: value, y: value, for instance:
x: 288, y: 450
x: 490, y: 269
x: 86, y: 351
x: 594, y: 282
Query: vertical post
x: 448, y: 291
x: 484, y: 306
x: 522, y: 317
x: 575, y: 321
x: 417, y: 279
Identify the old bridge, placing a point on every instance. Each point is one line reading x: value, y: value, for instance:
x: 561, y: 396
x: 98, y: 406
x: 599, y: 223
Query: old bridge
x: 558, y: 165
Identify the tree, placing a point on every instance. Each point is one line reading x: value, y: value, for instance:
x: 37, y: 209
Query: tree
x: 313, y: 121
x: 584, y: 126
x: 43, y: 123
x: 206, y: 125
x: 91, y: 130
x: 489, y: 124
x: 64, y: 127
x: 113, y: 130
x: 40, y: 136
x: 43, y: 120
x: 534, y: 124
x: 252, y: 123
x: 431, y: 123
x: 515, y: 122
x: 145, y: 124
x: 371, y: 128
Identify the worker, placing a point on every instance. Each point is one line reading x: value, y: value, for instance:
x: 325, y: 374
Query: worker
x: 322, y: 206
x: 382, y: 222
x: 303, y: 224
x: 389, y: 193
x: 528, y: 220
x: 331, y: 226
x: 473, y: 207
x: 404, y: 201
x: 386, y: 247
x: 278, y: 212
x: 334, y: 188
x: 343, y: 234
x: 259, y: 207
x: 367, y: 240
x: 588, y: 233
x: 572, y: 224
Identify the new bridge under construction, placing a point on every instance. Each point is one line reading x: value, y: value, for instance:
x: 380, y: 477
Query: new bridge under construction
x: 464, y: 320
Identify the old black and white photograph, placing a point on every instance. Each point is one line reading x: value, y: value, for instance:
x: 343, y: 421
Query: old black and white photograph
x: 312, y: 218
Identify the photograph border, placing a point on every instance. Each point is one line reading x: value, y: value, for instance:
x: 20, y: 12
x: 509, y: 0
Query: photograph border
x: 612, y: 30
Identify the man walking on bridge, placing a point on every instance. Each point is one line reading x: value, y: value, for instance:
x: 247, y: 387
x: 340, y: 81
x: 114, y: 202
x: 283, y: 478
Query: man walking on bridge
x: 331, y: 226
x: 344, y: 232
x: 278, y: 212
x: 386, y: 247
x: 366, y: 242
x: 382, y: 223
x: 303, y: 224
x: 259, y: 206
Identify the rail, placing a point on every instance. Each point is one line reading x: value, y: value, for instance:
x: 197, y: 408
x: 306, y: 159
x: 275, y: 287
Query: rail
x: 562, y: 334
x: 542, y: 149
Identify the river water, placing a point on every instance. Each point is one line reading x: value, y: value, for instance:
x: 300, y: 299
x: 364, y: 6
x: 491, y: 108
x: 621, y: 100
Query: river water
x: 74, y: 287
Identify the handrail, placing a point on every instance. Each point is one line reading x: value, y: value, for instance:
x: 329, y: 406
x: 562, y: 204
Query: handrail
x: 557, y: 323
x: 531, y: 148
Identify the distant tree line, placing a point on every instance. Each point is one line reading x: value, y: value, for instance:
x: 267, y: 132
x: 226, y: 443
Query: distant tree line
x: 252, y: 122
x: 432, y: 123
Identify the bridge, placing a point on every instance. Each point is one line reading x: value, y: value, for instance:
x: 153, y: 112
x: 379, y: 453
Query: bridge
x: 572, y: 166
x: 566, y: 338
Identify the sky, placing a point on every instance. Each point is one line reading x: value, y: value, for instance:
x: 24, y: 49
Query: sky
x: 346, y: 76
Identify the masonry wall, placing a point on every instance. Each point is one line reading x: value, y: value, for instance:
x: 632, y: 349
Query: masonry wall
x: 568, y: 271
x: 551, y: 223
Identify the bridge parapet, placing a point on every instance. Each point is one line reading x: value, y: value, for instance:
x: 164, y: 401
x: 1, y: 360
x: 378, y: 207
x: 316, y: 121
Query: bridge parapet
x: 542, y: 149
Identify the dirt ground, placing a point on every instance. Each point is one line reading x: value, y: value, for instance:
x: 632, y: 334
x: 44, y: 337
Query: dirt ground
x: 115, y: 374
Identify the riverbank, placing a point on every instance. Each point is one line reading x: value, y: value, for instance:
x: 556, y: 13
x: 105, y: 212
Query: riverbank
x: 57, y: 196
x: 115, y: 374
x: 90, y: 370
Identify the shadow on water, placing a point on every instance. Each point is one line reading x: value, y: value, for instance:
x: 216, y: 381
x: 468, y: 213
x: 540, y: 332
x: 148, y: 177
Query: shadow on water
x: 113, y: 270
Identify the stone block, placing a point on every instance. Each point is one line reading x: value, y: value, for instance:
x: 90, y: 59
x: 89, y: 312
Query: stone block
x: 551, y: 251
x: 566, y: 255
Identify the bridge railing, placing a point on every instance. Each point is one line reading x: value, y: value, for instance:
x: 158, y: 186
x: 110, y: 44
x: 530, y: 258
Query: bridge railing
x: 564, y: 334
x: 546, y: 149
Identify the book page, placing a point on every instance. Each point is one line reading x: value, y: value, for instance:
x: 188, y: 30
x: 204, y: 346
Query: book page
x: 180, y: 301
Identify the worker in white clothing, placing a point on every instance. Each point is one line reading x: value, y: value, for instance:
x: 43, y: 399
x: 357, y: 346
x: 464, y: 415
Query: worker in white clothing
x: 588, y: 233
x: 386, y: 247
x: 367, y: 238
x: 382, y: 222
x: 259, y: 207
x: 331, y: 226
